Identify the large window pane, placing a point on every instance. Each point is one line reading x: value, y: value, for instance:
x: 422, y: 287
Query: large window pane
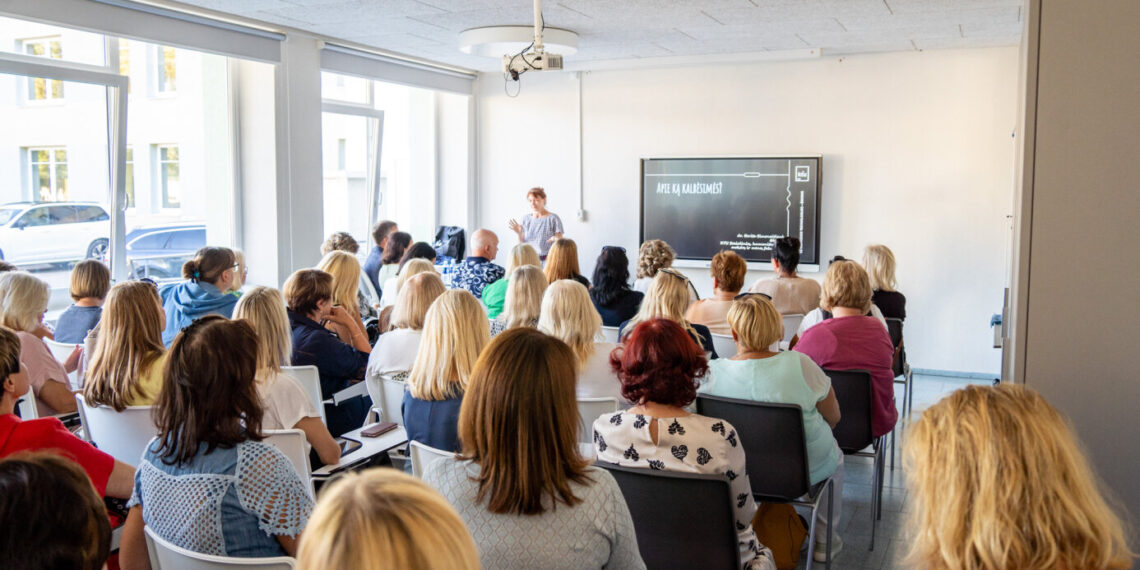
x: 345, y: 149
x: 407, y: 165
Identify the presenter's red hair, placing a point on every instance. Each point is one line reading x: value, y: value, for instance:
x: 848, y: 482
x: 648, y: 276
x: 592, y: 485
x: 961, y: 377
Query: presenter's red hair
x: 659, y: 363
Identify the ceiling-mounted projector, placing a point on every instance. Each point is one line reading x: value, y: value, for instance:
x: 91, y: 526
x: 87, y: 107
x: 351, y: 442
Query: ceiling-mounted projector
x: 536, y: 59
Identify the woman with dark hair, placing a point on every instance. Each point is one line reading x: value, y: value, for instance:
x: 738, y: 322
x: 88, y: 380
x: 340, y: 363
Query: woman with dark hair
x: 790, y: 293
x: 658, y: 367
x: 394, y: 250
x: 528, y: 496
x: 615, y: 301
x: 207, y: 483
x: 418, y: 250
x: 208, y: 276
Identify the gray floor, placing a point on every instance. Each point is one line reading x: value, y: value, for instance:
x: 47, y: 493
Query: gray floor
x: 855, y: 523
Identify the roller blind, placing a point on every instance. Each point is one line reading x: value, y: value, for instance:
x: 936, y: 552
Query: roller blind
x: 351, y: 61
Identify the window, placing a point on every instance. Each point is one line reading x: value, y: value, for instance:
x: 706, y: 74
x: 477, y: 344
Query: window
x: 36, y: 217
x: 129, y: 177
x: 125, y: 61
x: 164, y: 71
x: 168, y: 175
x: 47, y: 179
x: 40, y: 89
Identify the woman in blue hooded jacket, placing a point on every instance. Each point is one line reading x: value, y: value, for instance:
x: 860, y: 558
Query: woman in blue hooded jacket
x: 209, y: 275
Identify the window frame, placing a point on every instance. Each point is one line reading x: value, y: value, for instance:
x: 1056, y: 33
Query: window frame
x: 160, y: 179
x: 29, y: 82
x: 31, y: 193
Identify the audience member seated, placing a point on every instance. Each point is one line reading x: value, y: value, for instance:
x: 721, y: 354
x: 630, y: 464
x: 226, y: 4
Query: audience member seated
x: 374, y: 261
x: 455, y: 332
x: 494, y: 295
x: 23, y: 302
x: 394, y: 249
x: 524, y: 300
x: 308, y: 296
x: 111, y: 478
x: 727, y: 271
x: 284, y: 401
x: 409, y: 269
x: 51, y: 515
x: 998, y: 480
x: 521, y: 484
x: 654, y: 256
x: 569, y: 316
x: 207, y: 483
x: 90, y: 280
x: 395, y: 351
x: 562, y: 262
x: 419, y: 250
x: 479, y: 269
x: 615, y: 301
x: 755, y: 373
x: 345, y: 271
x: 384, y: 518
x: 658, y: 367
x: 668, y: 298
x: 241, y: 272
x: 851, y: 340
x: 879, y: 262
x: 126, y: 365
x: 340, y: 241
x: 208, y: 276
x: 790, y: 293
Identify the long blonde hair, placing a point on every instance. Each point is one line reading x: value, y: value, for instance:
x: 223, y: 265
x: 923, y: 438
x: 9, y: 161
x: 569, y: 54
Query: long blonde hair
x: 412, y: 267
x: 23, y: 298
x: 562, y: 261
x: 1000, y: 481
x: 384, y: 517
x: 523, y: 302
x: 666, y: 298
x: 879, y: 262
x: 522, y: 254
x: 569, y: 315
x: 264, y: 309
x: 345, y: 271
x: 128, y: 344
x: 414, y: 300
x: 455, y: 332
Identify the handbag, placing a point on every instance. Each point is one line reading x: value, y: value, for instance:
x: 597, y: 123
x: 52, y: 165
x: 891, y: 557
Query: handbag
x: 450, y: 242
x: 779, y: 527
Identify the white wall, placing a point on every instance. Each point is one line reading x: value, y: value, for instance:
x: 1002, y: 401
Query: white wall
x: 917, y: 155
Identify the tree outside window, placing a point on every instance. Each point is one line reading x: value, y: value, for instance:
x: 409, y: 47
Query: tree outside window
x: 165, y: 72
x: 47, y: 180
x: 168, y: 176
x: 40, y: 89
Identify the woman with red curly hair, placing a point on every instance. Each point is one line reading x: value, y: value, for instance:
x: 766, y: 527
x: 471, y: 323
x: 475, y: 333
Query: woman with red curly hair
x: 658, y: 367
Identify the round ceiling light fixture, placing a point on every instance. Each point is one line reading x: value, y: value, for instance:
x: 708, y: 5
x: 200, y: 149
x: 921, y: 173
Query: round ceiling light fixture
x: 497, y: 41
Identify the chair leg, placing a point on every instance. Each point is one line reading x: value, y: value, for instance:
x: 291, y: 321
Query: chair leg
x: 874, y: 498
x: 893, y: 445
x: 830, y: 520
x: 879, y: 485
x: 811, y: 538
x: 909, y: 390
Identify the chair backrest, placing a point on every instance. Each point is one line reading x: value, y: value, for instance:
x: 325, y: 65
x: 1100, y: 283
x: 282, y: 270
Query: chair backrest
x: 772, y: 436
x: 724, y: 345
x: 392, y: 397
x: 423, y: 455
x: 610, y: 334
x: 370, y: 292
x: 166, y: 556
x: 682, y: 520
x: 123, y: 435
x: 853, y: 391
x: 61, y: 351
x: 791, y: 325
x: 310, y: 379
x: 291, y: 442
x: 589, y: 409
x: 895, y: 328
x: 26, y: 405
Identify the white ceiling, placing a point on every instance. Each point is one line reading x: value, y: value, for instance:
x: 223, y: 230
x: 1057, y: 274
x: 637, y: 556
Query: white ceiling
x: 635, y: 29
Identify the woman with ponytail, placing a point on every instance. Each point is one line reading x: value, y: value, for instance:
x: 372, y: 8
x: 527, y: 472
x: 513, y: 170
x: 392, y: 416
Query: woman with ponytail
x: 208, y: 276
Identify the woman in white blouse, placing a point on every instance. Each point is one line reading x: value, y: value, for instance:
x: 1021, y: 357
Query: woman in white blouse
x: 395, y: 350
x: 570, y: 316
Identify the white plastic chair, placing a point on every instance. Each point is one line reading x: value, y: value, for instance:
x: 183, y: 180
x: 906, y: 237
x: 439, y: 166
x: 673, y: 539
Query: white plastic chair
x: 387, y: 395
x: 724, y: 345
x: 791, y: 325
x: 26, y: 405
x: 123, y: 435
x: 166, y: 556
x: 424, y: 455
x: 310, y: 380
x: 610, y: 334
x: 589, y: 409
x: 61, y: 351
x: 291, y: 442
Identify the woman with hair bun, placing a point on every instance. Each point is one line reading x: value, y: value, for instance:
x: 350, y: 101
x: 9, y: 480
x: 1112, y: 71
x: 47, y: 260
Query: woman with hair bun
x: 208, y: 276
x: 790, y: 293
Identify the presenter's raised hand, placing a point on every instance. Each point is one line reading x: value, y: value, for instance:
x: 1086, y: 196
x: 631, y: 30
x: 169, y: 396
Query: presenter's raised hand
x: 516, y: 227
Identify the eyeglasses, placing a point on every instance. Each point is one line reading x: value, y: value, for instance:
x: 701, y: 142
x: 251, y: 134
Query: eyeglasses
x: 747, y: 293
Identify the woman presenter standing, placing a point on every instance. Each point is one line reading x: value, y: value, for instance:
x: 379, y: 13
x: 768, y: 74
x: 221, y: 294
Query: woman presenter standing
x: 540, y: 227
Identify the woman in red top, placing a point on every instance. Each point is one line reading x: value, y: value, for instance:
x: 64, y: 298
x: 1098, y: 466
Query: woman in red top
x: 851, y: 340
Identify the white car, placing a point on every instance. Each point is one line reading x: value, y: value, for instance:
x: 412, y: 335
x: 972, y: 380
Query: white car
x: 53, y: 232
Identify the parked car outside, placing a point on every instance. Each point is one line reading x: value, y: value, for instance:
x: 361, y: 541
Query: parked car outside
x: 158, y: 252
x: 53, y: 232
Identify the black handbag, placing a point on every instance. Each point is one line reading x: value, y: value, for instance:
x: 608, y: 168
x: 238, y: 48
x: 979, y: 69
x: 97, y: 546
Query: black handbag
x: 450, y: 243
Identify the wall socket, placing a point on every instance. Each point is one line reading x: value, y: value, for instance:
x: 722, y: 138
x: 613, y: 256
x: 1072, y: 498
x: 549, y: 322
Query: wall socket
x: 581, y: 215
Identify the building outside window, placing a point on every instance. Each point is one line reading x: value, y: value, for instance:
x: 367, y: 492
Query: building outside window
x: 47, y: 174
x: 40, y: 89
x: 130, y: 177
x: 125, y: 60
x: 165, y: 72
x: 168, y: 176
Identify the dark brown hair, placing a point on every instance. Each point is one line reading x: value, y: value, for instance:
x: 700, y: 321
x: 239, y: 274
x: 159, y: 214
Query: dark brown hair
x: 394, y: 249
x: 51, y: 515
x: 90, y: 278
x: 659, y: 363
x: 381, y: 230
x: 519, y: 422
x: 9, y: 353
x: 729, y: 270
x: 208, y: 394
x: 5, y: 266
x: 304, y: 288
x: 208, y: 264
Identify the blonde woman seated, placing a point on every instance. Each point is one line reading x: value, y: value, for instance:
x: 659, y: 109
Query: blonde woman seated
x: 653, y: 256
x: 455, y: 332
x: 395, y: 351
x: 494, y: 295
x: 411, y: 269
x: 727, y: 271
x: 999, y: 480
x: 345, y: 271
x: 879, y: 262
x: 23, y: 302
x: 421, y: 251
x: 668, y: 298
x: 562, y: 262
x: 381, y: 517
x: 126, y: 365
x: 285, y: 402
x: 521, y: 485
x: 569, y: 315
x: 524, y: 300
x: 755, y: 373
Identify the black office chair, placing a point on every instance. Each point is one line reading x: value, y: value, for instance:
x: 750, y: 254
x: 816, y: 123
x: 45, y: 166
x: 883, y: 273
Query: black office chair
x: 900, y: 368
x: 853, y: 432
x: 682, y: 520
x: 775, y: 450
